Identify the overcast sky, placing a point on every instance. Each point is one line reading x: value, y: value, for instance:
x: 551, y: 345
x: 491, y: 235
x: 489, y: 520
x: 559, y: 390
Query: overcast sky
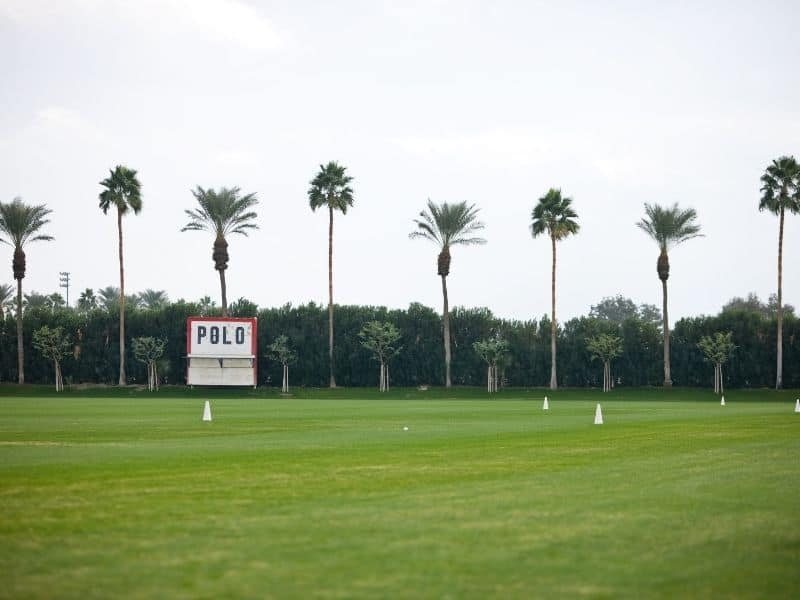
x: 616, y: 103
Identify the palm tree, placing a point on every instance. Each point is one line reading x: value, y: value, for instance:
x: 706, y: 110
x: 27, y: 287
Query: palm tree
x: 21, y: 224
x: 109, y: 298
x: 133, y: 301
x: 331, y: 188
x: 122, y: 190
x: 87, y: 300
x: 35, y: 301
x: 153, y: 299
x: 668, y: 227
x: 448, y: 225
x: 6, y: 299
x: 553, y: 215
x: 781, y: 192
x: 222, y: 213
x: 55, y: 302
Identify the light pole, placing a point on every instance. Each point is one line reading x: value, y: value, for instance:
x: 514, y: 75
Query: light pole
x: 63, y: 277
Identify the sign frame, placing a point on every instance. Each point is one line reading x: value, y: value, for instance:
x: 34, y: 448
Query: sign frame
x: 222, y: 368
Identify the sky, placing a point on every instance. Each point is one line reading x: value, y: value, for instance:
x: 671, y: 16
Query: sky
x: 492, y: 103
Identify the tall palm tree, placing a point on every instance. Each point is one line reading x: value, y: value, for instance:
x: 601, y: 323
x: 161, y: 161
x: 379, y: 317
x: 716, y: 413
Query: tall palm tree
x: 554, y: 216
x: 123, y: 191
x: 781, y: 192
x: 222, y: 213
x: 668, y: 227
x: 331, y: 188
x: 448, y: 225
x: 21, y: 224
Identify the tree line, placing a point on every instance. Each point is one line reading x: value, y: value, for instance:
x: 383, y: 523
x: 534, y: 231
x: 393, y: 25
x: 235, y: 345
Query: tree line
x: 94, y: 345
x: 226, y: 212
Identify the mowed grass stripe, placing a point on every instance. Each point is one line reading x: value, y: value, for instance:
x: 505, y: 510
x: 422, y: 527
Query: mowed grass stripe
x: 288, y: 498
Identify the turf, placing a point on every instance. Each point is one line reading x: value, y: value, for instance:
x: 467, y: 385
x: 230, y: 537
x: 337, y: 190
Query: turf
x: 325, y: 495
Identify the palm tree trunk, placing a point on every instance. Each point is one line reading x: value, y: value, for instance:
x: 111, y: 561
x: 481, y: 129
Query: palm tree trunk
x: 446, y: 333
x: 122, y: 378
x: 667, y: 378
x: 20, y: 349
x: 224, y: 290
x: 330, y: 296
x: 553, y: 381
x: 779, y: 378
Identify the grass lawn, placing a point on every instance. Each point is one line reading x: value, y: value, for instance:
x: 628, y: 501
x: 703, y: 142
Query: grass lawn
x: 326, y: 495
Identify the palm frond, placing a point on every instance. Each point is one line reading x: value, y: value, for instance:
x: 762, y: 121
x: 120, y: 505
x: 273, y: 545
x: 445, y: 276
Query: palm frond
x: 781, y: 186
x: 122, y: 190
x: 554, y: 215
x: 222, y: 212
x: 331, y: 188
x: 669, y: 226
x: 21, y: 223
x: 449, y: 224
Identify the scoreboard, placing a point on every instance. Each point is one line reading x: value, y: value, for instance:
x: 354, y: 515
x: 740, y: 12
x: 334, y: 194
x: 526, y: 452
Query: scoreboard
x: 221, y: 351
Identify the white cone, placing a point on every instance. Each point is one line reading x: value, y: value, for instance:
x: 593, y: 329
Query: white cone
x: 722, y: 402
x: 797, y: 406
x: 598, y: 416
x: 207, y: 411
x: 545, y: 406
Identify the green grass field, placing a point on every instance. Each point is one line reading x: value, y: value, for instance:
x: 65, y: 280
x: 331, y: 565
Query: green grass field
x: 325, y: 495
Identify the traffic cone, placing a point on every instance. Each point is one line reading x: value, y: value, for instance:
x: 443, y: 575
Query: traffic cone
x: 598, y: 416
x: 207, y: 411
x: 722, y: 402
x: 545, y: 406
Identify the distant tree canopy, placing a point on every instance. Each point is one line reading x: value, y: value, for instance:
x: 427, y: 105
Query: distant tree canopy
x: 752, y: 303
x: 619, y: 308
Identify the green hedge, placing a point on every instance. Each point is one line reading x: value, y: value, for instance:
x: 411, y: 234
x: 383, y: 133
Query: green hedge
x: 420, y: 361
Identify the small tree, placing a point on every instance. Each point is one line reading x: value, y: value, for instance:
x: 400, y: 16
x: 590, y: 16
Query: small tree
x: 279, y: 349
x: 380, y: 339
x: 148, y: 350
x: 605, y: 347
x: 717, y: 349
x: 492, y: 351
x: 54, y: 345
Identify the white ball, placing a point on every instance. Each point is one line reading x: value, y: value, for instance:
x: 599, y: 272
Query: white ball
x: 405, y: 428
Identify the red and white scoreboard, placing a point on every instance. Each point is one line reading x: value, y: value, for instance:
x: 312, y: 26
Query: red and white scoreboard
x: 221, y: 351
